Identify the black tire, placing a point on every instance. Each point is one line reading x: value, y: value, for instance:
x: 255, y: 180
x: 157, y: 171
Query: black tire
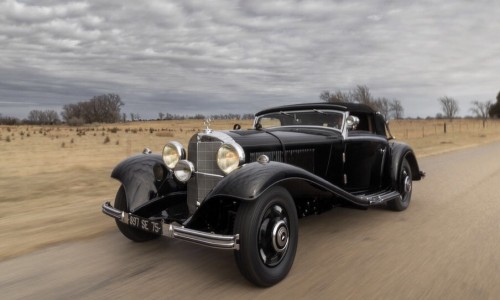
x: 405, y: 186
x: 268, y: 237
x: 133, y: 234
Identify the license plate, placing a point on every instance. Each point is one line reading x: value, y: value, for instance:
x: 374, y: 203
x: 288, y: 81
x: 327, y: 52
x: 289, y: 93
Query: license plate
x: 145, y: 224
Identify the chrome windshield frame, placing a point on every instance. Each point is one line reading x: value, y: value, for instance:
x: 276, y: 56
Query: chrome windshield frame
x: 341, y: 113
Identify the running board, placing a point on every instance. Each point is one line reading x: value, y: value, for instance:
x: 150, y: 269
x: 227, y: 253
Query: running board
x: 380, y: 197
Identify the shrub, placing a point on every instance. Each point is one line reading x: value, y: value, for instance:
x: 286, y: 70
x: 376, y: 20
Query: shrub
x: 106, y: 140
x: 76, y: 122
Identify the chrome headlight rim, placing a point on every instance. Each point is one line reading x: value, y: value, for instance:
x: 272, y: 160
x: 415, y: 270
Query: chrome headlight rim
x: 172, y: 153
x: 183, y: 170
x: 239, y: 157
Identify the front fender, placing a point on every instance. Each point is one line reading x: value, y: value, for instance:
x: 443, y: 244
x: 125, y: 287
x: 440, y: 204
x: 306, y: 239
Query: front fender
x: 137, y: 177
x: 251, y: 180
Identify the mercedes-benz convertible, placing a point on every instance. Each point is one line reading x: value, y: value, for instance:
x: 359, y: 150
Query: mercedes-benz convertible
x: 244, y: 190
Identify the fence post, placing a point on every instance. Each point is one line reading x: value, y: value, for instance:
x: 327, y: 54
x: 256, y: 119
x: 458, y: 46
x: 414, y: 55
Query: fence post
x: 444, y: 127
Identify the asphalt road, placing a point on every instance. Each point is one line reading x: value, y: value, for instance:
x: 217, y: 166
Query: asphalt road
x: 446, y: 245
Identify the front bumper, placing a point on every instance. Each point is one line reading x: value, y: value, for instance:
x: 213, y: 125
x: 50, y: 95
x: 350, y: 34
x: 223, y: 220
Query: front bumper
x: 229, y: 242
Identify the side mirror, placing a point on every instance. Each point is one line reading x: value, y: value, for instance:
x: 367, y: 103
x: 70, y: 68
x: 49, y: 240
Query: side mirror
x: 352, y: 122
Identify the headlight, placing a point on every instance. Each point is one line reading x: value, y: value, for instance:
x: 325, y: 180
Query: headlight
x: 172, y: 153
x: 183, y: 170
x: 229, y: 158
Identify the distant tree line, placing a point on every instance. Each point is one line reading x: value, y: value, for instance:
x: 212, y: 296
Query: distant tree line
x: 229, y: 116
x: 6, y: 120
x: 361, y: 94
x: 107, y: 109
x: 46, y: 117
x: 480, y: 110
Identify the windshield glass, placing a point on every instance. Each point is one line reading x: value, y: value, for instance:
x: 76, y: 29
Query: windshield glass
x: 323, y: 118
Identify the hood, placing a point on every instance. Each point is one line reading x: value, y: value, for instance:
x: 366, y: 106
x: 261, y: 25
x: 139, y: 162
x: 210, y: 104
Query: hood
x: 290, y: 137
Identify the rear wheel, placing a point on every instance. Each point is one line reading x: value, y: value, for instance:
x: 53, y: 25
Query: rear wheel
x: 133, y: 234
x: 405, y: 186
x: 268, y: 237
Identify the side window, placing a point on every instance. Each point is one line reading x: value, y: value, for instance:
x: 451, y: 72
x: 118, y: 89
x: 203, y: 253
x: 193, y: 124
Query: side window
x: 366, y: 124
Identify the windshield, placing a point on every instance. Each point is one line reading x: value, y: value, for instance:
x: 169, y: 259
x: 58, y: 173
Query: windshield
x: 323, y: 118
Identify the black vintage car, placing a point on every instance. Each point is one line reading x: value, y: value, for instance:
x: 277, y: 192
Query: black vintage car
x: 244, y: 190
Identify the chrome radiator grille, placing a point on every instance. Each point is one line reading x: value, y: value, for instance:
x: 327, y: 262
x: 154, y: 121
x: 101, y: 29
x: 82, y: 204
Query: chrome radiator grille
x: 204, y: 157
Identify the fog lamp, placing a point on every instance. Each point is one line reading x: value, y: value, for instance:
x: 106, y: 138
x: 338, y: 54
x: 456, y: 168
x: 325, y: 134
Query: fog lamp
x: 183, y: 170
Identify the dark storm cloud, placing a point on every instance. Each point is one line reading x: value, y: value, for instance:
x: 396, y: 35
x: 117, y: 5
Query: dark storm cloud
x: 241, y: 56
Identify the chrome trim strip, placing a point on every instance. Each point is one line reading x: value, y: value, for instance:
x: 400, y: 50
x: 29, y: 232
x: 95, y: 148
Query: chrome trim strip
x: 344, y: 114
x: 219, y: 241
x: 208, y: 174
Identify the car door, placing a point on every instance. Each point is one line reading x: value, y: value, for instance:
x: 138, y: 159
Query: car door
x: 364, y: 155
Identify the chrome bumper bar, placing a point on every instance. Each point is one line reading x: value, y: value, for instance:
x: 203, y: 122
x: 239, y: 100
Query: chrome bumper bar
x: 219, y: 241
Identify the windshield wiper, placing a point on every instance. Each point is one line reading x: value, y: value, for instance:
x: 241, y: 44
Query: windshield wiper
x: 286, y: 114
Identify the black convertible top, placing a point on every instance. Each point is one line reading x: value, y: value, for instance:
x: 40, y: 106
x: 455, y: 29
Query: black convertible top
x: 341, y: 106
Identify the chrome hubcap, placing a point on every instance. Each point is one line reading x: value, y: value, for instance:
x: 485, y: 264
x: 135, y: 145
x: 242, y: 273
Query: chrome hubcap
x: 407, y: 184
x: 280, y: 236
x: 273, y: 236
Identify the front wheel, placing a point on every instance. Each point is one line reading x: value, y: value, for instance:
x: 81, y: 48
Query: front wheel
x: 268, y: 237
x: 133, y: 234
x: 405, y: 186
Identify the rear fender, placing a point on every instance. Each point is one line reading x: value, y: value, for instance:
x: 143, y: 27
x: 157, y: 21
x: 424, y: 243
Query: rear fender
x: 137, y: 177
x: 401, y: 151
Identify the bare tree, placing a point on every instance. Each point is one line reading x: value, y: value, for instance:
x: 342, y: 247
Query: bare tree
x: 382, y: 105
x: 325, y: 96
x: 361, y: 94
x: 337, y: 96
x: 161, y: 115
x: 449, y: 106
x: 397, y: 109
x: 43, y: 117
x: 103, y: 109
x: 481, y: 109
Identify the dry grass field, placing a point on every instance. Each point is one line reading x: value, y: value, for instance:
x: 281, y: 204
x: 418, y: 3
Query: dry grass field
x: 53, y: 179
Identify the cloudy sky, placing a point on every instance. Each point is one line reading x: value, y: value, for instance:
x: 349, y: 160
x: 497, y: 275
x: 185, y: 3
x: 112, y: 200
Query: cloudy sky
x: 198, y: 56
